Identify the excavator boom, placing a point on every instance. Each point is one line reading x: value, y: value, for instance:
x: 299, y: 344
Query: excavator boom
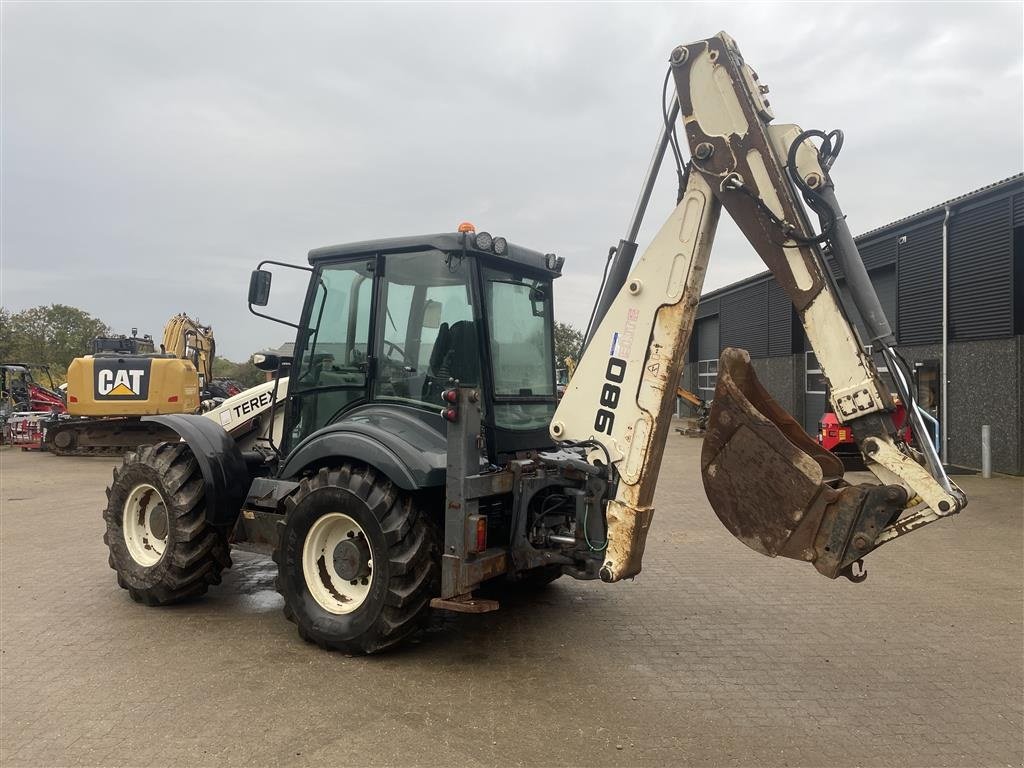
x: 187, y: 339
x: 769, y: 482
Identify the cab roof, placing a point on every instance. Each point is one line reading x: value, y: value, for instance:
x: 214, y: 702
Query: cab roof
x: 445, y: 241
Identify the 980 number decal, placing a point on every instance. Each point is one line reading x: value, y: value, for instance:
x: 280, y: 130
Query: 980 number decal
x: 610, y: 394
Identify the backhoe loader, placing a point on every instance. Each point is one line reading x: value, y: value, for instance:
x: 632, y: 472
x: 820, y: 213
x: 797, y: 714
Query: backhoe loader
x: 421, y: 453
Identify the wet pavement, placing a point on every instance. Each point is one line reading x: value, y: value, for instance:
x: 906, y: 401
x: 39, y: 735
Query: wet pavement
x: 713, y: 656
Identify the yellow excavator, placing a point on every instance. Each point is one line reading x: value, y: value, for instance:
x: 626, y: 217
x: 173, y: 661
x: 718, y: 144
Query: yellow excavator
x: 110, y: 390
x: 700, y: 406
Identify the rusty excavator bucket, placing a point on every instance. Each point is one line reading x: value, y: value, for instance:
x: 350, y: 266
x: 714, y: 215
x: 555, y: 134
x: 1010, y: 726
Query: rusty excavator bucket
x: 777, y: 490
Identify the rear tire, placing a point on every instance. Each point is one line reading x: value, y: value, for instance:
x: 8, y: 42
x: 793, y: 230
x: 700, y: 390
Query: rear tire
x: 356, y: 561
x: 160, y: 544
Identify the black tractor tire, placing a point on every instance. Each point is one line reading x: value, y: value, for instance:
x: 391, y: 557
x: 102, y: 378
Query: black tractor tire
x: 194, y: 553
x: 402, y: 545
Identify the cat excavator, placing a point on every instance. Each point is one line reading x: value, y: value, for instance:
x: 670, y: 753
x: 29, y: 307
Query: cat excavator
x: 421, y: 454
x: 126, y: 378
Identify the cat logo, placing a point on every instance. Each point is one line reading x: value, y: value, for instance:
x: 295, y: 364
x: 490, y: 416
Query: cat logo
x: 122, y: 379
x: 119, y: 382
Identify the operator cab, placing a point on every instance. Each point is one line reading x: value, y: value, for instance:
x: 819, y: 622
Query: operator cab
x: 387, y: 324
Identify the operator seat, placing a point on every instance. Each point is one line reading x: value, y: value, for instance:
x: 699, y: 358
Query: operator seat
x: 455, y: 356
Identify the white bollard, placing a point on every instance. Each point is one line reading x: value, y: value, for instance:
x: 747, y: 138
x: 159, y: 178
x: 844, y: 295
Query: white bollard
x: 986, y: 451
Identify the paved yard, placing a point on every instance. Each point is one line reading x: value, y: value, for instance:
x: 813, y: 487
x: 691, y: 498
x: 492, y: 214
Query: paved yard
x: 713, y: 656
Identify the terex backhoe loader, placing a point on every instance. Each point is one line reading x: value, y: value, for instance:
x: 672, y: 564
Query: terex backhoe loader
x: 377, y: 506
x: 126, y: 378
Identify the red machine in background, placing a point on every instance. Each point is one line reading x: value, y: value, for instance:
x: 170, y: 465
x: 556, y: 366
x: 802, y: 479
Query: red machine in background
x: 25, y: 405
x: 20, y: 392
x: 838, y: 438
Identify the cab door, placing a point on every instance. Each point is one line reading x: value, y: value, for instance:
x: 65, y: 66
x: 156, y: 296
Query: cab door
x: 333, y: 364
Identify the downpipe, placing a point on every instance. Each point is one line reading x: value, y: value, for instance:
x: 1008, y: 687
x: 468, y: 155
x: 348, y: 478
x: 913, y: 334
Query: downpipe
x: 945, y: 336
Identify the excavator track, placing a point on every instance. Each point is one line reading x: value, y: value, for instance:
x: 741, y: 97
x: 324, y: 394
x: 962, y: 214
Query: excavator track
x: 111, y: 451
x: 104, y: 437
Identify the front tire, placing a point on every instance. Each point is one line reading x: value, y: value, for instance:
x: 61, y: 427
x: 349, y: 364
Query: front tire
x: 160, y: 544
x: 357, y: 561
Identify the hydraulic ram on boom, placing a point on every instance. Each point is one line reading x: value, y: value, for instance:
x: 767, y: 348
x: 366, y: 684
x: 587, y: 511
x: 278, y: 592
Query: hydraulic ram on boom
x: 771, y: 485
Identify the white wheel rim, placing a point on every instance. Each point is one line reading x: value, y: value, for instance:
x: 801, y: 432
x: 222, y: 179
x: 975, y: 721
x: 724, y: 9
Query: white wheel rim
x: 145, y: 522
x: 332, y: 592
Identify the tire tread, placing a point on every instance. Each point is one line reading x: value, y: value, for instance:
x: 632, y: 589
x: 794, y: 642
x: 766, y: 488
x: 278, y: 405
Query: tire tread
x: 413, y: 567
x: 199, y: 552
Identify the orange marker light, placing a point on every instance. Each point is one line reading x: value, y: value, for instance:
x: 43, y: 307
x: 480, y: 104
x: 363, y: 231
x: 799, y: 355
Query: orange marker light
x: 466, y: 227
x: 172, y: 399
x: 481, y: 534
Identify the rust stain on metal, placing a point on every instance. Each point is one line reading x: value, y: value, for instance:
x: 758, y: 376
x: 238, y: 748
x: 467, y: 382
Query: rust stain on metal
x: 728, y: 156
x: 143, y: 505
x: 776, y: 489
x: 464, y: 604
x: 325, y: 579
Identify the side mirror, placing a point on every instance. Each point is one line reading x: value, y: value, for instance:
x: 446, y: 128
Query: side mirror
x: 259, y: 288
x: 266, y: 361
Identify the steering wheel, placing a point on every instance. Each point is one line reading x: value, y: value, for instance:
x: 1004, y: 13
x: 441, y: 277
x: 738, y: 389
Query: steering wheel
x: 391, y: 345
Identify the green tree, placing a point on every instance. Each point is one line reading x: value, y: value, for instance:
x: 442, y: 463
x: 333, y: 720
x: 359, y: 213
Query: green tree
x: 51, y: 335
x: 568, y: 340
x: 246, y: 374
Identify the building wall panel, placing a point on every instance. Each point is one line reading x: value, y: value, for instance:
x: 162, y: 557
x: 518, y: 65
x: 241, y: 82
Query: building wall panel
x: 780, y: 320
x: 920, y: 285
x: 744, y: 319
x: 980, y: 272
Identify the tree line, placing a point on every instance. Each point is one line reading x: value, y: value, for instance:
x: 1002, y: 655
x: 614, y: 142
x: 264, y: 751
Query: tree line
x: 53, y: 335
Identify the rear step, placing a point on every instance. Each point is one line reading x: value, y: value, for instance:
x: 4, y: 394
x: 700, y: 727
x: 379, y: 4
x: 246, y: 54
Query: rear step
x: 777, y: 490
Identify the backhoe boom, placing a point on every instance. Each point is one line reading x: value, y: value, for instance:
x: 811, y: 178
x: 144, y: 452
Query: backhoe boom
x: 769, y: 482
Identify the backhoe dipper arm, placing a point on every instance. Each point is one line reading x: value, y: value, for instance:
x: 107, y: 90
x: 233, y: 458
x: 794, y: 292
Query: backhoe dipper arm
x: 771, y: 485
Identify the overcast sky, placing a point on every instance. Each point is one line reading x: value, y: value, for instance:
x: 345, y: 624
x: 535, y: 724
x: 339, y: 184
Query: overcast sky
x: 153, y: 153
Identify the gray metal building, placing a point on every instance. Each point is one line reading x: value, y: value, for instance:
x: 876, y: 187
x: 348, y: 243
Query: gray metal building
x: 951, y: 280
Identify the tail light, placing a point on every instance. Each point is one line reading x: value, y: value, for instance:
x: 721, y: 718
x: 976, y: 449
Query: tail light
x: 481, y: 534
x: 450, y: 396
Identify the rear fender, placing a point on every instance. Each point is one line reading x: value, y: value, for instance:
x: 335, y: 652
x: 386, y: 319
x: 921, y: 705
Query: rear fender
x: 334, y: 447
x: 225, y: 474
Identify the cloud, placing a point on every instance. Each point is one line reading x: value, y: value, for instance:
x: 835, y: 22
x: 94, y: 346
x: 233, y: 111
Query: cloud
x: 153, y: 153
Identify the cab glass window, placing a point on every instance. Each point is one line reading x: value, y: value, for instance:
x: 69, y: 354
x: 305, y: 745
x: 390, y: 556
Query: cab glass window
x: 426, y: 331
x: 519, y: 326
x: 330, y: 368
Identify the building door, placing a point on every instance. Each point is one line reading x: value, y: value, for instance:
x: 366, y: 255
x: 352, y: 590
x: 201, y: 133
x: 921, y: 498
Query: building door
x: 928, y: 391
x: 707, y: 356
x: 815, y: 393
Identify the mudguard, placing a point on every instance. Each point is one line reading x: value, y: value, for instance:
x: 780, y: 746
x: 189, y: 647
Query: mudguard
x: 225, y: 474
x: 412, y: 453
